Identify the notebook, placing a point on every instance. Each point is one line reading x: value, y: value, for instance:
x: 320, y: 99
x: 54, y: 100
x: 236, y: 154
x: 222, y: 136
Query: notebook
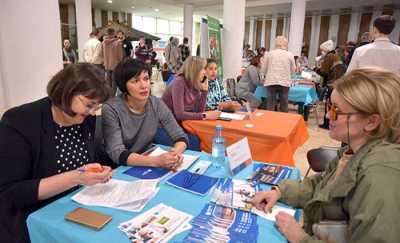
x: 192, y: 182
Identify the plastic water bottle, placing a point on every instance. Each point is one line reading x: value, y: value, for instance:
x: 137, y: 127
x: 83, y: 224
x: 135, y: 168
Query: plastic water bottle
x: 218, y: 148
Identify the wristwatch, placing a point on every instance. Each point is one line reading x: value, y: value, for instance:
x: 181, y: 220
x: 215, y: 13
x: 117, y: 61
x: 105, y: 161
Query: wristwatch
x: 204, y: 115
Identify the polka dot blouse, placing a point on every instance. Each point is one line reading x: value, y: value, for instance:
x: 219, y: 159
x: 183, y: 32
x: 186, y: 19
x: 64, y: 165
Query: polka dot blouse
x: 71, y: 150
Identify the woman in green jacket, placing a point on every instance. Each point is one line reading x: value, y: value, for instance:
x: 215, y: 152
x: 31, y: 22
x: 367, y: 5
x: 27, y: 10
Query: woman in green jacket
x: 360, y: 187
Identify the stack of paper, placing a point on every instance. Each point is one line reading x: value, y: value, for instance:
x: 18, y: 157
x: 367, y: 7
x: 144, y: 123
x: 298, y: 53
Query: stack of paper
x: 147, y: 172
x: 159, y: 224
x: 130, y: 196
x: 232, y: 116
x: 238, y: 194
x: 217, y: 223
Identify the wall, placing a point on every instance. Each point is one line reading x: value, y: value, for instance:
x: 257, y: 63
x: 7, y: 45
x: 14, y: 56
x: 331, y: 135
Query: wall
x: 26, y: 65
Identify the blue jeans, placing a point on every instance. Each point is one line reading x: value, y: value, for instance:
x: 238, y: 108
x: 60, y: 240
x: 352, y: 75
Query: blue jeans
x: 163, y: 138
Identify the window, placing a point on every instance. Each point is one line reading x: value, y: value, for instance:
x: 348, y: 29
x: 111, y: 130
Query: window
x: 162, y: 26
x: 137, y: 22
x: 149, y: 25
x: 175, y: 28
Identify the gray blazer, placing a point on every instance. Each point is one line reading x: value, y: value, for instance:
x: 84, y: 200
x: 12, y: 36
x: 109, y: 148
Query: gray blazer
x: 248, y: 84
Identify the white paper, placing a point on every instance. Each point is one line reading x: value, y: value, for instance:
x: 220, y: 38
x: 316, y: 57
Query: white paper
x: 239, y: 153
x: 188, y: 160
x: 233, y: 116
x: 275, y: 210
x: 131, y: 196
x: 159, y: 224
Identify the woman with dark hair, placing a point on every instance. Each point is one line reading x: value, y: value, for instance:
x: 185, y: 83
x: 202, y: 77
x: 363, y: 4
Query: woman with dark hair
x: 249, y: 82
x: 47, y: 147
x: 131, y: 120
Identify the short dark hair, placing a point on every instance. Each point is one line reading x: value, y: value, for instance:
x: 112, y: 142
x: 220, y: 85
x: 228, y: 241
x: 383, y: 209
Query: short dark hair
x: 171, y: 38
x: 385, y: 24
x: 210, y: 60
x: 94, y: 32
x: 185, y: 40
x: 128, y: 68
x: 120, y: 31
x: 110, y: 31
x: 77, y: 79
x: 255, y: 61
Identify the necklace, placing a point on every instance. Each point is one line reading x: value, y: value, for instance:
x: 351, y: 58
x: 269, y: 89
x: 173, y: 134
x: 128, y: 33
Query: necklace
x: 134, y: 109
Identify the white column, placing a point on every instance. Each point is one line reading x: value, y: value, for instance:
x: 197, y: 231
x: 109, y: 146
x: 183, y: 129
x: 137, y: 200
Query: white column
x: 273, y: 33
x: 109, y: 15
x: 251, y: 33
x: 120, y: 19
x: 394, y: 36
x: 83, y: 23
x: 97, y: 18
x: 233, y: 34
x: 314, y: 41
x: 333, y: 28
x: 297, y: 18
x: 204, y: 44
x: 354, y: 26
x: 375, y: 14
x: 286, y: 27
x: 25, y: 69
x: 188, y: 23
x: 263, y: 33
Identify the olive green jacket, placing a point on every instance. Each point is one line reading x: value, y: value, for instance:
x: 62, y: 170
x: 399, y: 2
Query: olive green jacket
x: 366, y: 194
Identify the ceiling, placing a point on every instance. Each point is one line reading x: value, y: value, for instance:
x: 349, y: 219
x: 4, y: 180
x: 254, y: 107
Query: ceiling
x: 173, y: 9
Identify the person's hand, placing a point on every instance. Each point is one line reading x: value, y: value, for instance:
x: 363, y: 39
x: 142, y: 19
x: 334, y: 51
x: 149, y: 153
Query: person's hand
x: 169, y: 160
x: 94, y: 173
x: 264, y: 201
x: 204, y: 84
x: 289, y: 227
x: 212, y: 115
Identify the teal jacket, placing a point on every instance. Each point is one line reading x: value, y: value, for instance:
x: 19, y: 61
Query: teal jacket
x: 366, y: 194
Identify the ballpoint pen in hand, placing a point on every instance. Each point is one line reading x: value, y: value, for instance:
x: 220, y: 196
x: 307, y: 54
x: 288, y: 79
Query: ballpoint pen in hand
x: 91, y: 169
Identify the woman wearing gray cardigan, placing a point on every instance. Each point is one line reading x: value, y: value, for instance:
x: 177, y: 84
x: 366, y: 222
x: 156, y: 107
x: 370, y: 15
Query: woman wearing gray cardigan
x: 249, y: 82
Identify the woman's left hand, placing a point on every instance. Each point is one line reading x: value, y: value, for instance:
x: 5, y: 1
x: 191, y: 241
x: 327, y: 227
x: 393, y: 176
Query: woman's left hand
x: 289, y: 227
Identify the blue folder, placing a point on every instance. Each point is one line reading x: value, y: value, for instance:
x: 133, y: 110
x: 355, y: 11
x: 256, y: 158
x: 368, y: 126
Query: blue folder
x: 192, y: 182
x: 146, y: 172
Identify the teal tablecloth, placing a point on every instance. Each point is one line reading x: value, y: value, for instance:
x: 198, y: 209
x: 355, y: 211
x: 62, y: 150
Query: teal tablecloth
x: 304, y: 94
x: 48, y: 223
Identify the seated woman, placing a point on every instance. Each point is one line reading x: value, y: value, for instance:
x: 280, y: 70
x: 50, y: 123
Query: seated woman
x: 362, y: 185
x: 186, y: 96
x: 131, y: 120
x: 217, y: 97
x: 47, y: 147
x: 249, y: 81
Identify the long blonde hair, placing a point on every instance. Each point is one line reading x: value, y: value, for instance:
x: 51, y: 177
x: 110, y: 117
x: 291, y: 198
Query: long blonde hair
x: 191, y: 69
x: 374, y: 91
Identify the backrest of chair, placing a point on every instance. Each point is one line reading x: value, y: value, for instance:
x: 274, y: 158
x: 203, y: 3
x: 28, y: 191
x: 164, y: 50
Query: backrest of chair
x: 231, y: 88
x: 319, y: 158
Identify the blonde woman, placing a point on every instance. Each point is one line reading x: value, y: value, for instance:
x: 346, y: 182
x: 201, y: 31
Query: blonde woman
x: 360, y: 187
x: 278, y: 66
x: 186, y: 96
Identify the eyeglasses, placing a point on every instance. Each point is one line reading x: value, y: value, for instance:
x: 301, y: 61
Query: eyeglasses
x: 334, y: 112
x: 89, y: 108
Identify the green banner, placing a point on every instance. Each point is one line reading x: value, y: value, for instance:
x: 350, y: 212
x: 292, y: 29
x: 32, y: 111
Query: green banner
x: 214, y: 36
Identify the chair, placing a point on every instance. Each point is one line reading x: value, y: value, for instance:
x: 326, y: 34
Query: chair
x: 319, y: 158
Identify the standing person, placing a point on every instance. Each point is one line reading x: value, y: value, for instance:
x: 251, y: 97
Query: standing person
x: 93, y: 52
x: 113, y: 54
x: 69, y: 55
x: 126, y: 44
x: 186, y: 96
x: 382, y: 52
x: 49, y: 156
x: 132, y: 119
x: 360, y: 188
x: 142, y: 51
x: 217, y: 98
x: 249, y: 81
x: 172, y: 55
x: 280, y: 66
x: 184, y: 49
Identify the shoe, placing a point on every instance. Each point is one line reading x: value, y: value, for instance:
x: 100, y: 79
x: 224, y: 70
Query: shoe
x: 324, y: 126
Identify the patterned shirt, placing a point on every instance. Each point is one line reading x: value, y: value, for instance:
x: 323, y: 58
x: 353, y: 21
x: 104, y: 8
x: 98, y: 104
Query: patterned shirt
x: 216, y: 94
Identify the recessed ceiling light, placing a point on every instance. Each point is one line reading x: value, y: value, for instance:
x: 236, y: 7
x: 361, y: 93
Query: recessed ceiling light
x: 133, y: 7
x: 156, y: 9
x: 109, y: 1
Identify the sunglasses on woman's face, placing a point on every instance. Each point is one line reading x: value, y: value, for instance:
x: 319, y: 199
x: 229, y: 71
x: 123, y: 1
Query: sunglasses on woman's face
x: 334, y: 112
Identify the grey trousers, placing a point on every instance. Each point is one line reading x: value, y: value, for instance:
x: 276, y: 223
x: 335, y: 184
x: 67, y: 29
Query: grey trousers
x: 276, y: 90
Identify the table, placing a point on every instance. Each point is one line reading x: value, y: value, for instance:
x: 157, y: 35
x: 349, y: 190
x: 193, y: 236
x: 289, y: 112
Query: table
x: 274, y: 137
x: 48, y: 224
x: 303, y: 95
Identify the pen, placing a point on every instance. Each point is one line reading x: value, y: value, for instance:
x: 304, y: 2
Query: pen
x: 94, y: 170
